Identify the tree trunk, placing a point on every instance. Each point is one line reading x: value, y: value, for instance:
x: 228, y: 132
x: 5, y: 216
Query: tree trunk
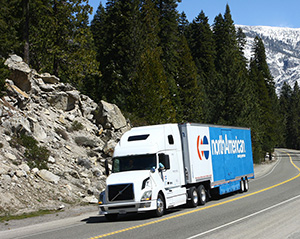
x: 26, y: 31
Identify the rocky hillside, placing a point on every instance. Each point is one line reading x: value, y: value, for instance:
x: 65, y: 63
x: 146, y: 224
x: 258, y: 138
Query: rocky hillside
x: 53, y: 142
x: 282, y: 50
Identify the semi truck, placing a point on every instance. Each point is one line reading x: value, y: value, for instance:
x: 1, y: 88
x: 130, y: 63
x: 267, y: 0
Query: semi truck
x: 158, y: 167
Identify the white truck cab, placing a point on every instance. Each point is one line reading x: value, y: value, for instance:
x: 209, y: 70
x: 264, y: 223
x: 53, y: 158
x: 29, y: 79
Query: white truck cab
x: 147, y: 172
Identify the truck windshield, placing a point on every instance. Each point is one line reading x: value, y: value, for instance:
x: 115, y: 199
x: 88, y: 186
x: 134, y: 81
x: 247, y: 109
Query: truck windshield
x: 137, y: 162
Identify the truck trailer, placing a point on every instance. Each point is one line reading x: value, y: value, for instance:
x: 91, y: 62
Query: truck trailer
x: 158, y: 167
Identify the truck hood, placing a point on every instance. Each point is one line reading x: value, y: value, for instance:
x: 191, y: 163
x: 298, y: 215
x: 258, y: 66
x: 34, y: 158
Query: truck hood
x: 135, y: 177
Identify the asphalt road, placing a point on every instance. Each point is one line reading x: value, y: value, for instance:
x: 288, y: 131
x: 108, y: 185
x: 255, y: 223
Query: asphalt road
x: 270, y: 209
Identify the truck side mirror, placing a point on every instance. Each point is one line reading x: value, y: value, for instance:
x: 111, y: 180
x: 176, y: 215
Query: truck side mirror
x: 106, y: 168
x: 165, y: 160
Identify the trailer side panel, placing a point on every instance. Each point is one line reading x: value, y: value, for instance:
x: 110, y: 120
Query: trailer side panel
x: 231, y: 153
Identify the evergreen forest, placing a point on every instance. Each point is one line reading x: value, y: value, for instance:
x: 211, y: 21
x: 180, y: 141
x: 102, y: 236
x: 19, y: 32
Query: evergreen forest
x: 147, y: 58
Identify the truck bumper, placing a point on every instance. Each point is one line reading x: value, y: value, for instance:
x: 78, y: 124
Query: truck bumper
x: 128, y: 207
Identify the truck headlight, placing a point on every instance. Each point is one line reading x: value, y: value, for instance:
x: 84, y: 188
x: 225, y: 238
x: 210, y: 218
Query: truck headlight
x: 147, y: 196
x: 101, y: 198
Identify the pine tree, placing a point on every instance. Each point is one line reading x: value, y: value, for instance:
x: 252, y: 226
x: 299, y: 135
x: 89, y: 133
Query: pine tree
x: 72, y: 51
x: 284, y: 110
x: 268, y: 101
x: 99, y: 35
x: 249, y: 103
x: 121, y: 50
x: 251, y: 112
x: 183, y: 23
x: 190, y: 92
x: 51, y: 36
x: 39, y: 27
x: 293, y: 119
x: 231, y: 71
x: 260, y: 94
x: 169, y: 37
x: 150, y: 96
x: 98, y: 30
x: 201, y: 43
x: 10, y: 22
x: 260, y: 59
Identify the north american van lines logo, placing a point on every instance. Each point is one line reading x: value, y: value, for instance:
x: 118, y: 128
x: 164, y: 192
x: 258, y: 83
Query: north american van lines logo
x: 202, y: 147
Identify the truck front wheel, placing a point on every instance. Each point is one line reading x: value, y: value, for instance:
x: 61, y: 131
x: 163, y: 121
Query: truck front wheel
x: 202, y: 194
x: 193, y: 197
x: 160, y: 206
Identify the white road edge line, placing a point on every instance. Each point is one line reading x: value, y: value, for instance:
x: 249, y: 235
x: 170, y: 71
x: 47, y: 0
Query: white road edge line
x: 243, y: 218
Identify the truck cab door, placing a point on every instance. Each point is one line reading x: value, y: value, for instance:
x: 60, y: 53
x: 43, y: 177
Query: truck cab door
x: 171, y: 178
x: 170, y: 173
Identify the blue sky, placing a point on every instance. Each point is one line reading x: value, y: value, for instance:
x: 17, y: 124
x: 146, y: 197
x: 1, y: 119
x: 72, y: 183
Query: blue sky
x: 279, y: 13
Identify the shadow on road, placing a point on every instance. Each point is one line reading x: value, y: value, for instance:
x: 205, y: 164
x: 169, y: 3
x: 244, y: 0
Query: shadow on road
x: 129, y: 217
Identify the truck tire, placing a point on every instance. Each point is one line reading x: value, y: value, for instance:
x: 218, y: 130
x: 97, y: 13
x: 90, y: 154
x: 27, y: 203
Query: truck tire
x: 201, y: 194
x: 111, y: 217
x: 193, y: 197
x: 242, y: 186
x: 246, y: 182
x: 160, y: 206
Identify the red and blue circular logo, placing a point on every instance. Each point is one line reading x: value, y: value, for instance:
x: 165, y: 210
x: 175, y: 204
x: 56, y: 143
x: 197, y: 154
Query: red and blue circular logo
x: 203, y: 147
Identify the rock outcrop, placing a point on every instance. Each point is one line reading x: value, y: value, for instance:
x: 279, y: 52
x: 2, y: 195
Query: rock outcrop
x: 78, y: 134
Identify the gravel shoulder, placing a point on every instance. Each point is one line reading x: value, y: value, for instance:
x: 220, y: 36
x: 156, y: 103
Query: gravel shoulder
x: 263, y: 169
x: 68, y: 212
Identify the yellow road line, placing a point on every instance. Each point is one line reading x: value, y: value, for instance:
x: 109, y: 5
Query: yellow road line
x: 201, y: 208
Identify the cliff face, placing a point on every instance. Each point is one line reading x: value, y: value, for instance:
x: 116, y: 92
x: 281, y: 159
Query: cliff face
x: 53, y: 142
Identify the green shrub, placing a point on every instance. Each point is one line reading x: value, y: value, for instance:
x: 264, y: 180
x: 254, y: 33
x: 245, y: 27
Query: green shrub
x: 27, y: 141
x: 36, y: 156
x: 76, y: 126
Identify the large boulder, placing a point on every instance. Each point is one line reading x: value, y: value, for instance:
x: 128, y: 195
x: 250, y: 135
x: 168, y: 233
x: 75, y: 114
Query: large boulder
x: 63, y: 100
x: 47, y: 78
x: 18, y: 125
x: 110, y: 115
x: 21, y: 97
x: 87, y: 106
x: 48, y: 176
x: 87, y: 142
x: 20, y: 72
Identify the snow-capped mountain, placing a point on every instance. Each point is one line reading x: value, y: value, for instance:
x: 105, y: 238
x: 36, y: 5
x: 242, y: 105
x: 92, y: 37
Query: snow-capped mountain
x: 282, y: 50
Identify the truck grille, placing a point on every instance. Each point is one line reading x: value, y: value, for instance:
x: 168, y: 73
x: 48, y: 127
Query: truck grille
x: 120, y: 192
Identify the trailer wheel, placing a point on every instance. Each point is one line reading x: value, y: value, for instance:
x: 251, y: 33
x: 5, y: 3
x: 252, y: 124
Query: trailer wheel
x: 193, y: 197
x: 246, y: 184
x: 160, y: 206
x: 111, y: 217
x: 202, y: 194
x: 242, y: 186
